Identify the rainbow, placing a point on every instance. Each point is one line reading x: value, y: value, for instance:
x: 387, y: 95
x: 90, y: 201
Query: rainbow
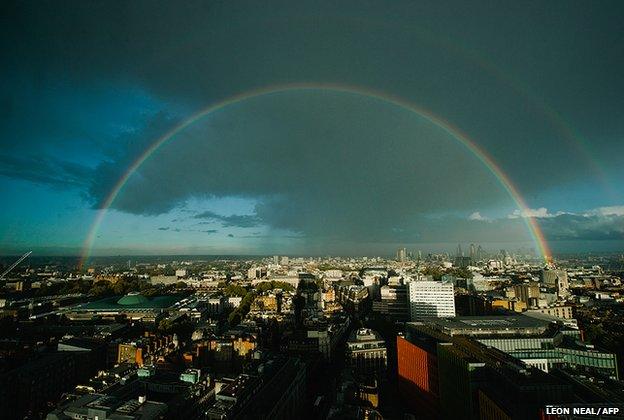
x: 456, y: 133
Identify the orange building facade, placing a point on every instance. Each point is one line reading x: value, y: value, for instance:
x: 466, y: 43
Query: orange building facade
x: 418, y: 377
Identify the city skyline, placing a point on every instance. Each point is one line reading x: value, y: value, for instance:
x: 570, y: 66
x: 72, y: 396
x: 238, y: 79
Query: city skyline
x: 313, y: 210
x: 307, y: 130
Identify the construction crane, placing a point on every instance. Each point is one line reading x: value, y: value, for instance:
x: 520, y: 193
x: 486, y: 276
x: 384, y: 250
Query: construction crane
x: 15, y: 264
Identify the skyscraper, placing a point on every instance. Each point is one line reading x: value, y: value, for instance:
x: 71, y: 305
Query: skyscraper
x: 402, y: 255
x: 480, y: 253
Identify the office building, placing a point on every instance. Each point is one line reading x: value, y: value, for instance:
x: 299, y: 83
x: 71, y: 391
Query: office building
x: 277, y: 392
x: 431, y: 299
x: 535, y: 341
x: 564, y: 312
x: 417, y: 371
x: 103, y: 407
x: 473, y: 381
x: 471, y: 305
x: 393, y: 303
x: 402, y: 255
x: 556, y: 279
x: 256, y: 273
x: 366, y: 353
x: 526, y: 291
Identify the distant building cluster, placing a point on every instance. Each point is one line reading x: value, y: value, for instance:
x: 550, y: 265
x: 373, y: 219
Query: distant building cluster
x: 471, y: 335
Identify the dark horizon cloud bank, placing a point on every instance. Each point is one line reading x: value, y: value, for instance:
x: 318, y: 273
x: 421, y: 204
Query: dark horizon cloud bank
x: 244, y: 221
x: 333, y: 167
x: 88, y: 86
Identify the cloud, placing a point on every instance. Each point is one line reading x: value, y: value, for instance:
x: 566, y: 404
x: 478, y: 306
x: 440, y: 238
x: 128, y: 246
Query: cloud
x: 209, y: 231
x: 121, y: 154
x: 236, y: 220
x: 542, y: 212
x: 599, y: 224
x: 169, y: 51
x: 318, y: 172
x: 317, y: 164
x: 477, y: 216
x: 606, y: 211
x: 44, y: 169
x: 328, y: 167
x: 602, y: 223
x: 585, y: 227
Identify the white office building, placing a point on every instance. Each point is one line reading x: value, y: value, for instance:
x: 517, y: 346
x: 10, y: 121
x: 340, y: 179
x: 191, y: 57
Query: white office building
x: 431, y: 298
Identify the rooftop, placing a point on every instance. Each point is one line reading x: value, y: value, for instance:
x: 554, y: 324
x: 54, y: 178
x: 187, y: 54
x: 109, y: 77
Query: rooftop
x: 131, y: 302
x: 487, y: 325
x: 236, y: 388
x: 364, y: 334
x: 133, y: 299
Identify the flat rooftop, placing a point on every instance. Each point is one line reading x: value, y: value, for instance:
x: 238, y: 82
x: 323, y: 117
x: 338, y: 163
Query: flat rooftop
x: 486, y: 325
x: 238, y: 387
x: 363, y: 335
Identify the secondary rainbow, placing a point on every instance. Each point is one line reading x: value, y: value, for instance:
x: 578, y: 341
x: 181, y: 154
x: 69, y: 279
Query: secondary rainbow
x: 456, y: 133
x: 580, y: 145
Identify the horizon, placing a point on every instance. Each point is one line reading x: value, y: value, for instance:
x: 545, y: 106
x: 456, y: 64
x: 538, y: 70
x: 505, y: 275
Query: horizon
x: 311, y: 209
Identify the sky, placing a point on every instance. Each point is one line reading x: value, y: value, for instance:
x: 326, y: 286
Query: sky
x: 334, y: 127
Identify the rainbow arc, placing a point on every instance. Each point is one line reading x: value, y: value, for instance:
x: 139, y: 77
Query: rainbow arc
x: 461, y: 137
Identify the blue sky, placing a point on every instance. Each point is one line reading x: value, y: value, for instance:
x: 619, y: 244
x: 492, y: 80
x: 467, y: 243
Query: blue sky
x: 85, y: 92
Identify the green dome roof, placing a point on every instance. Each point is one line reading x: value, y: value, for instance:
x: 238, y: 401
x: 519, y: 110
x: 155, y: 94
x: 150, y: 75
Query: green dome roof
x: 133, y: 299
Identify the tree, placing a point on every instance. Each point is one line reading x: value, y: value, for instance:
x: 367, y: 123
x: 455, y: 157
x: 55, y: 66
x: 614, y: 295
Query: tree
x: 165, y: 326
x: 270, y: 285
x: 461, y: 272
x: 235, y: 290
x: 239, y: 313
x: 435, y: 272
x: 120, y: 287
x: 234, y: 318
x: 287, y: 287
x: 101, y: 288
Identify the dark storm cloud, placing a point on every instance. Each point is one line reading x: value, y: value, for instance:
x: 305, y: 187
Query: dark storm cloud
x: 120, y: 155
x: 236, y: 220
x: 601, y: 224
x: 592, y: 226
x: 328, y: 166
x: 567, y: 227
x: 479, y: 69
x: 45, y: 170
x: 208, y: 231
x: 332, y: 167
x: 318, y: 163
